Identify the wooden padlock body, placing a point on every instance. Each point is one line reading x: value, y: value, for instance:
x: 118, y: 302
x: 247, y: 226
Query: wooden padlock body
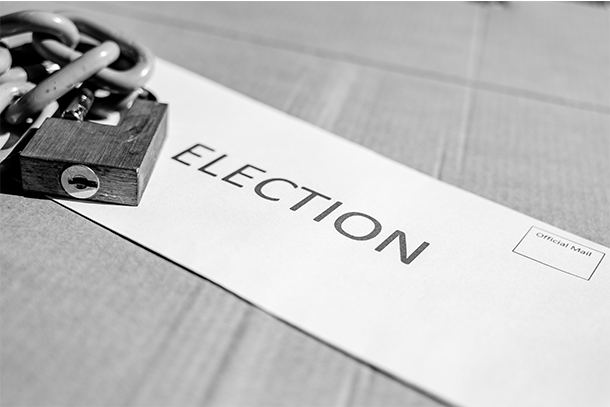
x: 121, y: 156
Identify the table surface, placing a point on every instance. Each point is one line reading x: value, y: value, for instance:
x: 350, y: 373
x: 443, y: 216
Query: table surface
x: 511, y: 102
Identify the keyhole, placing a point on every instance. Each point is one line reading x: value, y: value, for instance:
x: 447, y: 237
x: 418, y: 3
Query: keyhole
x: 80, y: 182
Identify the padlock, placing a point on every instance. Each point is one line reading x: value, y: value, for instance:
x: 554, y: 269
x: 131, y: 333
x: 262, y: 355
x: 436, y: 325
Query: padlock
x: 96, y: 162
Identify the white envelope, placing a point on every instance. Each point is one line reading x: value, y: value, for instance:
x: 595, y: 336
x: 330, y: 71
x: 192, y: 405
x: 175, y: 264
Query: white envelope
x: 481, y: 305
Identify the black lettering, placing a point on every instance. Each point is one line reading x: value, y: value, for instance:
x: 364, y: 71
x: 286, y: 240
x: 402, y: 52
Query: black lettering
x: 402, y: 239
x: 202, y: 169
x: 259, y: 188
x: 308, y: 198
x: 190, y: 151
x: 328, y: 211
x: 344, y: 217
x: 239, y: 172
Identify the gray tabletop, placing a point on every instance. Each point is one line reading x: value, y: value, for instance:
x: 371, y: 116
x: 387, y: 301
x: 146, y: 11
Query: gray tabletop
x: 511, y: 102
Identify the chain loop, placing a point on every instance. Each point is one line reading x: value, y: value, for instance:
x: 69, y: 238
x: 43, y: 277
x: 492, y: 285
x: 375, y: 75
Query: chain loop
x: 62, y: 81
x: 13, y: 90
x: 5, y: 60
x: 54, y: 38
x: 53, y: 24
x: 122, y: 81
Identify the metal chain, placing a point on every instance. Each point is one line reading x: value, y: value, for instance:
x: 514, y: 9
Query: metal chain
x: 82, y: 48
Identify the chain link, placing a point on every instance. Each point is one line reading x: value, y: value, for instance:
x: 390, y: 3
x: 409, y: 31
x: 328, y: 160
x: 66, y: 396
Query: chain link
x: 83, y: 48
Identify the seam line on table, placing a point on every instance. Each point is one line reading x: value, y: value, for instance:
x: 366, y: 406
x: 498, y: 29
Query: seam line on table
x: 234, y: 340
x: 479, y: 36
x: 178, y: 320
x: 347, y: 391
x: 477, y: 39
x: 367, y: 62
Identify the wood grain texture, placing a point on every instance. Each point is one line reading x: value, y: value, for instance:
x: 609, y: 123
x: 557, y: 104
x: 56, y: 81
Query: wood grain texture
x: 88, y: 318
x: 552, y: 52
x: 122, y: 156
x: 559, y: 50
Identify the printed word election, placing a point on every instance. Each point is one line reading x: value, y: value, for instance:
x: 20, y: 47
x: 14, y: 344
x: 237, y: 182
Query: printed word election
x: 212, y: 168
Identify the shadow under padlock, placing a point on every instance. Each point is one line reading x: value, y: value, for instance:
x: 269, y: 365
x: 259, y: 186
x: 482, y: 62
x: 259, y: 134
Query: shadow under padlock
x: 96, y: 162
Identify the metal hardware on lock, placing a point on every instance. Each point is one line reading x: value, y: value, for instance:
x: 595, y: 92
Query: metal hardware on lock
x: 80, y: 181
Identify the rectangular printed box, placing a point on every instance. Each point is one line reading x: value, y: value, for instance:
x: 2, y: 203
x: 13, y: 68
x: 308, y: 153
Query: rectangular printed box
x: 559, y: 253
